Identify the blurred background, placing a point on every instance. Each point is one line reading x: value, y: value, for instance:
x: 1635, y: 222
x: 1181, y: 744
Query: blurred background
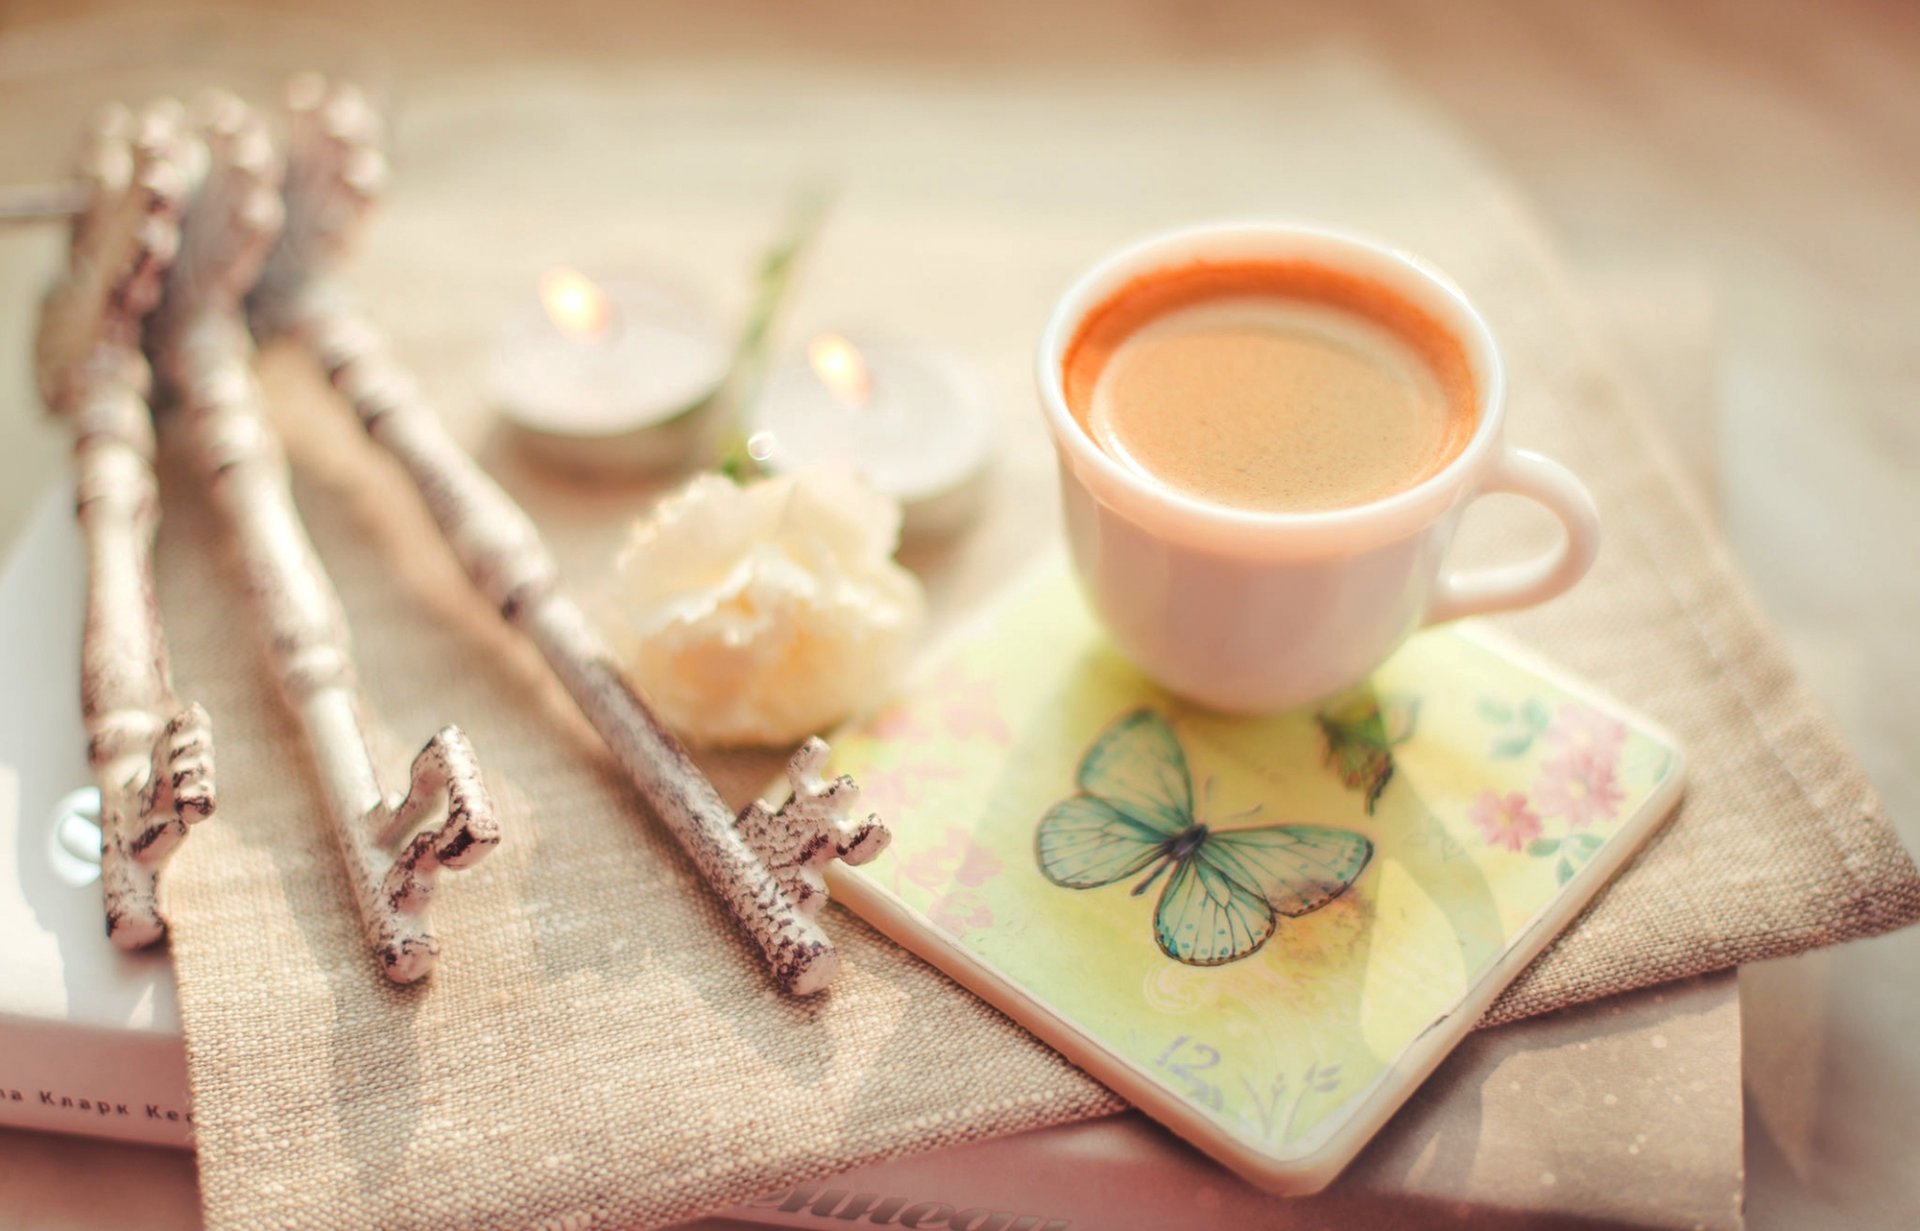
x: 1752, y: 169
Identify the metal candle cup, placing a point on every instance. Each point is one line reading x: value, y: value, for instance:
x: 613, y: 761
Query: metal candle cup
x: 611, y: 375
x: 909, y: 417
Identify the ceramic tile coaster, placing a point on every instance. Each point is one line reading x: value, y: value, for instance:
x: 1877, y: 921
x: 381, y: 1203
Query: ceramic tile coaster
x: 1263, y: 932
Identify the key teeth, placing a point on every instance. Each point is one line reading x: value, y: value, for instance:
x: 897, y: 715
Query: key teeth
x: 445, y: 772
x: 189, y: 764
x: 803, y: 835
x: 408, y: 958
x: 869, y: 839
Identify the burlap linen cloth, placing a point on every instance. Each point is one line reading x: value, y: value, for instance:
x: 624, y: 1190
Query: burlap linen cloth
x: 598, y: 1047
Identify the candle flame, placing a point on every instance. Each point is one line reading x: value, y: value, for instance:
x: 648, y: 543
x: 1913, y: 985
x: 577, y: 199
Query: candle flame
x: 575, y: 304
x: 838, y: 364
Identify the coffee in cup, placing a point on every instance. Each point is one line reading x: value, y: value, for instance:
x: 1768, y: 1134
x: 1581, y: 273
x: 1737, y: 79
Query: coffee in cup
x: 1273, y: 386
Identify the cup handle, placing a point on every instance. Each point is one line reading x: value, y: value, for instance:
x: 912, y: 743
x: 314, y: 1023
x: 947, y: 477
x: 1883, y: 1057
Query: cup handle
x: 1507, y: 587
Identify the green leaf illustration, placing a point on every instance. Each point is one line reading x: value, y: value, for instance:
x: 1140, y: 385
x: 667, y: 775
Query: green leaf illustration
x: 1565, y: 870
x: 1543, y: 846
x: 1495, y: 711
x: 1536, y: 715
x: 1508, y: 749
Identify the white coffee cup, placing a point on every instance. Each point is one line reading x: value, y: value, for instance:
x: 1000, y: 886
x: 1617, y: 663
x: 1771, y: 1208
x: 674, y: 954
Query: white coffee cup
x: 1254, y: 612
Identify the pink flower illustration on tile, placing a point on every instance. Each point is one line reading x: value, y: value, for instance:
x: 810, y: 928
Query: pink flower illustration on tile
x: 881, y: 790
x: 1504, y: 820
x: 1580, y: 728
x: 963, y: 705
x: 904, y: 786
x: 956, y: 861
x: 1579, y: 787
x: 959, y: 912
x: 970, y: 707
x: 902, y: 724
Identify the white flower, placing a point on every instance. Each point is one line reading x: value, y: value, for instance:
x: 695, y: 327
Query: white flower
x: 764, y: 613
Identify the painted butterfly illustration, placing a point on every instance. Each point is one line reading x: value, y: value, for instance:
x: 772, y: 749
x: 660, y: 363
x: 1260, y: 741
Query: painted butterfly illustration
x: 1361, y: 735
x: 1225, y: 889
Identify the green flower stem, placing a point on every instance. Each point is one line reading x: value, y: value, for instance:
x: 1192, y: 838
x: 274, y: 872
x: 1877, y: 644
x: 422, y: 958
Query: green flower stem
x: 753, y: 352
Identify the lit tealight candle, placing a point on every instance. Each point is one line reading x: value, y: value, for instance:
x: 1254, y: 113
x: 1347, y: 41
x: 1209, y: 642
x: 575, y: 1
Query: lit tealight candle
x: 610, y: 375
x: 908, y: 417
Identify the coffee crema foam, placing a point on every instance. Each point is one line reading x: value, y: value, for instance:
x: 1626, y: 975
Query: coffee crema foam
x: 1271, y: 386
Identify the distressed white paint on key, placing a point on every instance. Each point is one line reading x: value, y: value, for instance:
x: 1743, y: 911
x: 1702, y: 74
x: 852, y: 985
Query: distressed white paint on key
x: 763, y: 865
x: 206, y: 355
x: 152, y: 758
